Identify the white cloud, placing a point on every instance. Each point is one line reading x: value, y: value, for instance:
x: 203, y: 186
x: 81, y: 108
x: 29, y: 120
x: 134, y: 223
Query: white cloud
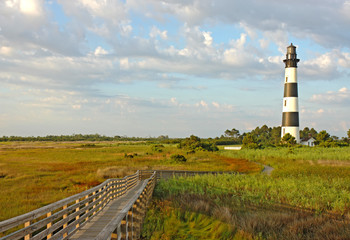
x: 124, y: 63
x: 208, y: 40
x: 215, y: 104
x: 76, y: 106
x: 340, y: 96
x: 31, y: 7
x: 156, y: 32
x: 28, y: 7
x: 320, y: 111
x: 202, y: 104
x: 325, y: 66
x: 100, y: 51
x: 6, y: 50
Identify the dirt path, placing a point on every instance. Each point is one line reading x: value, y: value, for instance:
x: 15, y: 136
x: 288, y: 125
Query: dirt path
x: 267, y: 170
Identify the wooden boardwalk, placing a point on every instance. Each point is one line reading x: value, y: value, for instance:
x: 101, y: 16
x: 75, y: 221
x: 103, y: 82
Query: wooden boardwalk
x: 96, y: 224
x: 113, y: 210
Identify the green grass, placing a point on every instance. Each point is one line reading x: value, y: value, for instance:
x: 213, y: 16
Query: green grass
x: 314, y: 193
x: 258, y: 206
x: 164, y: 221
x: 307, y: 195
x: 273, y: 155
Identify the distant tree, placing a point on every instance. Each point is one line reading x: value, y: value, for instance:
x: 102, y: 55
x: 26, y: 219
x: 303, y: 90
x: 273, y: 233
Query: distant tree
x: 231, y: 137
x: 306, y: 132
x: 163, y: 137
x: 266, y: 136
x: 194, y: 143
x: 233, y: 133
x: 334, y: 138
x: 275, y: 136
x: 250, y: 141
x: 288, y: 140
x: 322, y: 136
x: 348, y: 133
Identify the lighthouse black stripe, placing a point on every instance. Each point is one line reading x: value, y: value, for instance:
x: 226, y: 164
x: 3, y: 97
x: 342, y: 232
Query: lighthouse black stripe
x: 291, y: 62
x: 290, y: 119
x: 290, y: 90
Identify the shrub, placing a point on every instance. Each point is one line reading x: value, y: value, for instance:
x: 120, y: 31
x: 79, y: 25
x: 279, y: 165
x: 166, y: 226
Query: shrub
x: 249, y: 141
x: 157, y: 148
x: 194, y: 143
x: 288, y: 140
x: 178, y: 158
x: 130, y: 155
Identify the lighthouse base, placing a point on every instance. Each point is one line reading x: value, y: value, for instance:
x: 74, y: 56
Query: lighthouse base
x: 294, y: 131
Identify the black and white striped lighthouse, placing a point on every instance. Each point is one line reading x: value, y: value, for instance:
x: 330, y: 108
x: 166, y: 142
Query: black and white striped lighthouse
x: 290, y: 117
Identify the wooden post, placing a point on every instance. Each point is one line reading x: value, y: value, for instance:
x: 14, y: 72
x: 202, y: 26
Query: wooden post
x: 116, y: 235
x: 100, y: 198
x: 48, y: 226
x: 93, y: 203
x: 87, y: 209
x: 136, y: 219
x: 113, y: 190
x: 66, y: 224
x: 27, y: 237
x: 77, y: 217
x: 130, y: 225
x: 124, y: 228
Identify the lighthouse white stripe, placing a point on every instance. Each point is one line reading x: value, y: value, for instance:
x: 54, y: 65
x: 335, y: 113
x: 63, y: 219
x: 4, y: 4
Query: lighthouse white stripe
x: 290, y: 75
x: 290, y: 104
x: 294, y: 131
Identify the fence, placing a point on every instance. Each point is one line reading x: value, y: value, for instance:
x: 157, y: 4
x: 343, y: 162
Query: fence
x: 61, y: 219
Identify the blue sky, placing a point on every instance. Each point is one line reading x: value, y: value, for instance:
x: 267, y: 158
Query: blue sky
x: 153, y: 67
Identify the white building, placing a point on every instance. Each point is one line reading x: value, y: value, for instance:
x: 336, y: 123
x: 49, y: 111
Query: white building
x: 309, y: 141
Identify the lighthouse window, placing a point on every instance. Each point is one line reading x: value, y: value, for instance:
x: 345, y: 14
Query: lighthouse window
x: 286, y: 79
x: 284, y: 131
x: 285, y: 102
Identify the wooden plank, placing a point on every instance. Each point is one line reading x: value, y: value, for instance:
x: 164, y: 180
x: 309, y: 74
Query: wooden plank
x: 117, y: 221
x: 106, y: 218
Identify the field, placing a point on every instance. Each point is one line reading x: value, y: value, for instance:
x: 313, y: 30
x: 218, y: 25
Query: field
x: 34, y: 174
x: 307, y: 196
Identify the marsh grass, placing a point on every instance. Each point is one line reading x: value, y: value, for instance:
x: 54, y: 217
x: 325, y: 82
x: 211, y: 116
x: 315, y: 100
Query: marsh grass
x: 164, y: 221
x: 307, y: 195
x: 247, y: 205
x: 275, y: 155
x: 35, y: 174
x: 311, y: 192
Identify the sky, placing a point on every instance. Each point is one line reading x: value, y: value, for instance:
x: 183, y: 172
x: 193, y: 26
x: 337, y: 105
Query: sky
x: 147, y: 68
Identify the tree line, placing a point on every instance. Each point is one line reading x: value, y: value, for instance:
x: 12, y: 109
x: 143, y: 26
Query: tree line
x: 78, y: 137
x: 260, y: 137
x: 265, y: 136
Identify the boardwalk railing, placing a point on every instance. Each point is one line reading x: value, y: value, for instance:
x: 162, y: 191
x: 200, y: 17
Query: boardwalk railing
x: 128, y: 223
x: 61, y: 219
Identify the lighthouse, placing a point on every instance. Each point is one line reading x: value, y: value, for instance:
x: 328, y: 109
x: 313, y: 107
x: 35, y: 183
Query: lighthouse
x: 290, y: 116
